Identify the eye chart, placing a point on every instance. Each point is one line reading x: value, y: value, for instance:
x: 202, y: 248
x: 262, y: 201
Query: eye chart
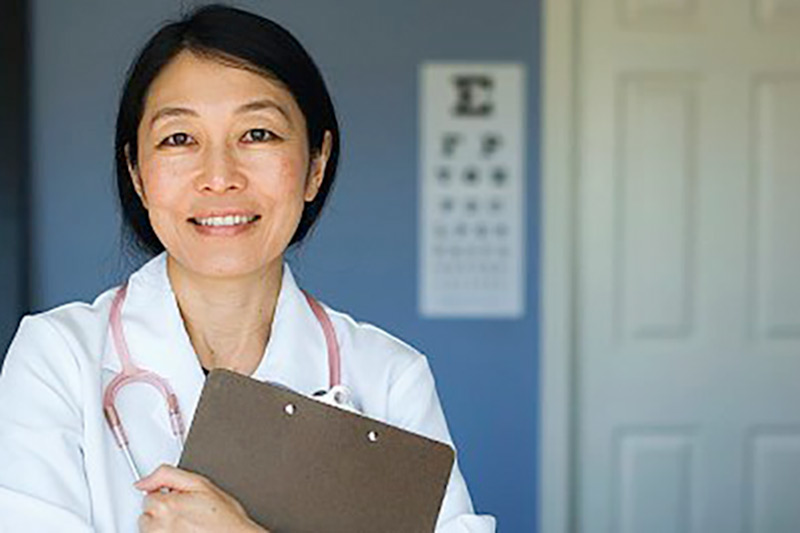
x: 472, y: 241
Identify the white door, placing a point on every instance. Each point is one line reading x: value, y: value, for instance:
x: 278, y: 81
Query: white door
x: 685, y: 384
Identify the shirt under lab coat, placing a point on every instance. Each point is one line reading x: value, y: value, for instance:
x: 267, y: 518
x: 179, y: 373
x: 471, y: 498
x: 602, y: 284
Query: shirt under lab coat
x: 60, y: 469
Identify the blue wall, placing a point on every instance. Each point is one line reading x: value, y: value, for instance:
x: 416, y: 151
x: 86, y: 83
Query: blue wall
x: 363, y: 256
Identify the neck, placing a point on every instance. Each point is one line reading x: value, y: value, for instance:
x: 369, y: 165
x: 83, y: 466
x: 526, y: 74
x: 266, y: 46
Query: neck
x: 228, y: 320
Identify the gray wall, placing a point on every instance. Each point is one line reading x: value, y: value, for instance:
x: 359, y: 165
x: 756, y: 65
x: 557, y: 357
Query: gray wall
x: 363, y: 256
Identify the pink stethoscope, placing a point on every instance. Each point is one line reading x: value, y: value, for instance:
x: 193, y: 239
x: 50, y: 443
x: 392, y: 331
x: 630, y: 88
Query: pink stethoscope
x: 338, y: 394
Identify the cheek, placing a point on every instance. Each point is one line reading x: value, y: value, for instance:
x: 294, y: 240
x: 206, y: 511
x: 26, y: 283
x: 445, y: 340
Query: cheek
x: 164, y: 181
x: 295, y: 172
x: 282, y: 177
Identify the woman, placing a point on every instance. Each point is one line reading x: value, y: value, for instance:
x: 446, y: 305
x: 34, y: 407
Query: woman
x: 226, y: 149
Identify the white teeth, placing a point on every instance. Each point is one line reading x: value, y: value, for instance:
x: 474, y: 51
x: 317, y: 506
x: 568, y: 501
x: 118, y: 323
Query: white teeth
x: 230, y: 220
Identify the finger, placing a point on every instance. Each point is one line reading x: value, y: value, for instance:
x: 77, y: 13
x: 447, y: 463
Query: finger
x: 167, y: 477
x: 156, y: 503
x: 147, y: 523
x: 172, y: 478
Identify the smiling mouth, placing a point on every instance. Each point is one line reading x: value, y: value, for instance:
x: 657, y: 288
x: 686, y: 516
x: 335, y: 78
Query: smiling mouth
x: 224, y: 221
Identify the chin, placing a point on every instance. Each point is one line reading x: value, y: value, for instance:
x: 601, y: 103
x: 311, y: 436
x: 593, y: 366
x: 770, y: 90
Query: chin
x: 226, y: 265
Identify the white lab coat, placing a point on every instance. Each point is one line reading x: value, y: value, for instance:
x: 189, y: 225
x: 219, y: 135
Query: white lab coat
x: 60, y: 469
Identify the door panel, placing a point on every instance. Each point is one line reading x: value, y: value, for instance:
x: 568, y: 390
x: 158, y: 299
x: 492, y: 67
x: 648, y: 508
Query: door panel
x: 688, y: 249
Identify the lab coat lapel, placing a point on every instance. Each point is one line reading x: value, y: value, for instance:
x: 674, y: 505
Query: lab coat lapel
x: 296, y: 355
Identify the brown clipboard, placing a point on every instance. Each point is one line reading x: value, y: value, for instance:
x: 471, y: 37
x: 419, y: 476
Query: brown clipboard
x: 298, y: 465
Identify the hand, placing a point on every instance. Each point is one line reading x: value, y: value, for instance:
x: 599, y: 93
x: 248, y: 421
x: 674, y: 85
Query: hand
x: 190, y: 503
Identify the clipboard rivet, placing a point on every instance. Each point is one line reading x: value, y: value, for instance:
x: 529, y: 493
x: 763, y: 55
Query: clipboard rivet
x: 372, y: 436
x: 289, y: 409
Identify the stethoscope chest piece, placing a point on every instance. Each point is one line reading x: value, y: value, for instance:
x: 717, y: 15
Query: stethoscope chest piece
x: 338, y: 396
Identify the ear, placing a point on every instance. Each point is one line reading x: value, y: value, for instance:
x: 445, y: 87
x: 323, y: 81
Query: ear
x: 317, y: 170
x: 135, y: 177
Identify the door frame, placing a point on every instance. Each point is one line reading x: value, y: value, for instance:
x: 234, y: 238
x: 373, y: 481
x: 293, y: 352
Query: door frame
x: 14, y: 167
x: 559, y: 170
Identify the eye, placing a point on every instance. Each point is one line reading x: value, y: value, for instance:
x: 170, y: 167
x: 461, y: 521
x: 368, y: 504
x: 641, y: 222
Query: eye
x: 257, y: 135
x: 178, y: 139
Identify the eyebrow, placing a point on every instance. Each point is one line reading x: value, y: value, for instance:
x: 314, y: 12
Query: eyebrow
x: 260, y: 105
x: 256, y: 105
x: 165, y: 112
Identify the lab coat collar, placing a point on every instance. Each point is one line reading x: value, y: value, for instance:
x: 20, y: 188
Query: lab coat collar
x: 295, y: 355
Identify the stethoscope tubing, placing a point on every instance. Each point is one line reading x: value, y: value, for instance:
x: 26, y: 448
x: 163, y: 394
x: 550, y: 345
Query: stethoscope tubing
x: 131, y: 373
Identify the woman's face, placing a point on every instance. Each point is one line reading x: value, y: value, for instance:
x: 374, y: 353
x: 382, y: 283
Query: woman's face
x: 223, y: 166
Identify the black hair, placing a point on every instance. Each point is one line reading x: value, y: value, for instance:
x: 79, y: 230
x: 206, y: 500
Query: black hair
x: 237, y: 37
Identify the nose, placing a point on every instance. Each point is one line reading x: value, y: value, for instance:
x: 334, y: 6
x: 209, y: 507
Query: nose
x: 220, y: 174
